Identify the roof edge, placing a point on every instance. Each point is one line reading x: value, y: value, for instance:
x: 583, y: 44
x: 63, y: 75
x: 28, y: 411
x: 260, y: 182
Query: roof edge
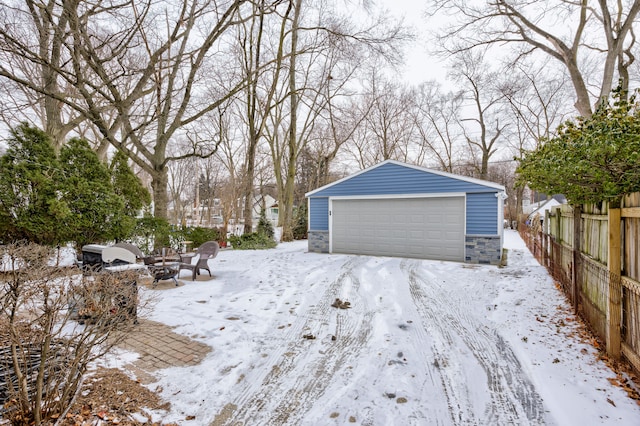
x: 413, y: 166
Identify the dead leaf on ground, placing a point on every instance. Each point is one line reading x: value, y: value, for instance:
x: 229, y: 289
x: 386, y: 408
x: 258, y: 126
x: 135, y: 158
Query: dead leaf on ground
x: 109, y: 397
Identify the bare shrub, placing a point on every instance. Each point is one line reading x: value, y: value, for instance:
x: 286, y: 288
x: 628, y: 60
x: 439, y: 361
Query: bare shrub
x: 54, y: 322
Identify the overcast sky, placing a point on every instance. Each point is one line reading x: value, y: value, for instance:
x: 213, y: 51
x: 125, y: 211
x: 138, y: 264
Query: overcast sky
x: 420, y: 65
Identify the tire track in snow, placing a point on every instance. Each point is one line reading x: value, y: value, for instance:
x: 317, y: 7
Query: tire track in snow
x: 460, y: 404
x: 512, y: 397
x: 404, y: 354
x: 299, y: 375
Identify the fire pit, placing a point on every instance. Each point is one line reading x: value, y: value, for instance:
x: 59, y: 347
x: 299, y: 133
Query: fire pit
x: 164, y: 271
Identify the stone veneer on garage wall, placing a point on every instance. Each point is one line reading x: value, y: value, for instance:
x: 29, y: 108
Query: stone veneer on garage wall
x: 318, y: 241
x: 483, y: 249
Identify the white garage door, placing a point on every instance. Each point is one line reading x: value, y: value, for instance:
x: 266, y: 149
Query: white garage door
x: 426, y: 228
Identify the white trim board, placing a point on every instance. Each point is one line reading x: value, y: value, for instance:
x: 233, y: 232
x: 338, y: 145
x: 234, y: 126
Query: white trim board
x: 391, y: 196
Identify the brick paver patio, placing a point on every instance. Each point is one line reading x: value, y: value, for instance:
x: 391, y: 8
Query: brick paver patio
x: 159, y: 347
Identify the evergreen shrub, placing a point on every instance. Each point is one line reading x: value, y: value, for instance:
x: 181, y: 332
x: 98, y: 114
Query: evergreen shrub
x: 252, y: 241
x: 300, y: 225
x: 199, y: 235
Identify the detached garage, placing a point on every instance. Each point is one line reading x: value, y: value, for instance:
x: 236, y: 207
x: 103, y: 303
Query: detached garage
x: 397, y: 209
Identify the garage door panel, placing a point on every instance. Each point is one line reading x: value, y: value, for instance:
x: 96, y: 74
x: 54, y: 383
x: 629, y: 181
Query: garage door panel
x: 450, y: 235
x: 386, y: 233
x: 414, y: 227
x: 417, y: 218
x: 417, y: 234
x: 435, y: 234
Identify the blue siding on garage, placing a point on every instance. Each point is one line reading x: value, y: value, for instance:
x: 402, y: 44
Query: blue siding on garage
x: 319, y: 214
x: 482, y: 214
x: 392, y: 178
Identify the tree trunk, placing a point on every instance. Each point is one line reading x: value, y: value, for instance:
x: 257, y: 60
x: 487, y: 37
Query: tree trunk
x: 289, y: 187
x: 518, y: 206
x: 286, y: 215
x: 53, y: 124
x: 583, y: 105
x: 159, y: 184
x: 252, y: 63
x: 484, y: 168
x: 248, y: 188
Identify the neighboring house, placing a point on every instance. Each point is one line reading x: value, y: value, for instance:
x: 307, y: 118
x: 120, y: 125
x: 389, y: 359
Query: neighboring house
x: 198, y: 213
x: 265, y: 201
x: 535, y: 199
x: 270, y: 205
x: 541, y: 210
x: 397, y: 209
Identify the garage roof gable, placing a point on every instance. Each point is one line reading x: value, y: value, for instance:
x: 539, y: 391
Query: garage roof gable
x: 393, y: 177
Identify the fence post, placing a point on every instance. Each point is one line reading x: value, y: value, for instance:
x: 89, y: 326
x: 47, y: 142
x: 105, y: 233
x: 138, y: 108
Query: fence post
x: 577, y: 259
x: 545, y: 239
x: 614, y: 311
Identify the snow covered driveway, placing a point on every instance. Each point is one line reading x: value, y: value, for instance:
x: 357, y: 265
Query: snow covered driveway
x: 423, y: 343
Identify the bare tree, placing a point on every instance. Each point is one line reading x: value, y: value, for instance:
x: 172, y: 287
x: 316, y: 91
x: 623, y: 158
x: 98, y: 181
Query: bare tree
x: 143, y: 73
x: 593, y: 40
x: 310, y: 40
x: 504, y: 173
x: 480, y: 89
x: 209, y: 173
x: 259, y: 92
x: 208, y: 191
x: 325, y: 142
x: 183, y: 177
x: 436, y: 120
x: 33, y: 35
x: 231, y: 155
x: 536, y: 98
x: 387, y: 131
x: 285, y: 180
x: 337, y: 123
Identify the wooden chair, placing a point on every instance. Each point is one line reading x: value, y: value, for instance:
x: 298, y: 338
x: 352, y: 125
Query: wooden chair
x: 206, y: 251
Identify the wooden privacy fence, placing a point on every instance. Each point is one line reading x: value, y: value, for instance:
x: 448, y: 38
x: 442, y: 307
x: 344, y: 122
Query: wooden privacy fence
x: 592, y: 252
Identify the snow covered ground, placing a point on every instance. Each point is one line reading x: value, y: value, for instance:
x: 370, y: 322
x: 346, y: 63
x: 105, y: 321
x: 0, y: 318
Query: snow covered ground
x: 424, y: 343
